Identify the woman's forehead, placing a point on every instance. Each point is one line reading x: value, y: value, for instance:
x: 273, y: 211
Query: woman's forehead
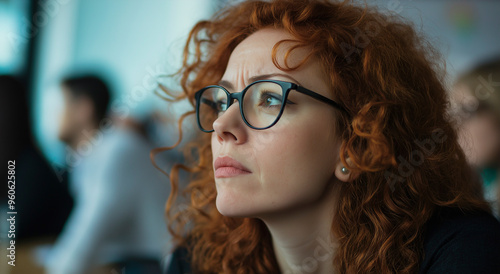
x: 254, y: 56
x: 260, y: 44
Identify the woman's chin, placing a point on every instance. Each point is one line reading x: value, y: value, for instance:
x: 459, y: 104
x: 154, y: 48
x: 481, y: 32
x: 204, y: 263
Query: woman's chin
x: 234, y: 206
x: 228, y: 206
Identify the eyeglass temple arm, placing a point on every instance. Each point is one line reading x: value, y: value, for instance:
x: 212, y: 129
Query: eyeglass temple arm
x: 319, y: 97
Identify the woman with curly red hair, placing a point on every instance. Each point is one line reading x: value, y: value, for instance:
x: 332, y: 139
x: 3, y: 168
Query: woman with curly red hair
x: 324, y: 148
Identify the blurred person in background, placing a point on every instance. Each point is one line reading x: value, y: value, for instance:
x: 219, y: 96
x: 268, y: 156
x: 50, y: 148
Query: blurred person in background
x: 476, y: 103
x: 42, y: 200
x: 119, y: 195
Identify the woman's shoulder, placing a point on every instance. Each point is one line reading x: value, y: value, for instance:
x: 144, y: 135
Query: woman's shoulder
x: 180, y: 262
x: 454, y: 242
x: 461, y: 242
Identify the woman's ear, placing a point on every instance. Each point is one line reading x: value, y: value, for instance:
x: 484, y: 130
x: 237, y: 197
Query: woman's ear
x: 343, y: 173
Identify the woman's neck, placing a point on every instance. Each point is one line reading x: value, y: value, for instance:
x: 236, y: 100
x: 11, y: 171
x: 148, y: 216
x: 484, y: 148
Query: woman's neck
x: 302, y: 239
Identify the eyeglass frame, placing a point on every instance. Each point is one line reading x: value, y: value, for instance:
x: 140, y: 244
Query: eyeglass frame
x: 286, y: 87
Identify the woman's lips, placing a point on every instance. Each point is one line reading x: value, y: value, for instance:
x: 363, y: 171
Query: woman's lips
x: 226, y: 167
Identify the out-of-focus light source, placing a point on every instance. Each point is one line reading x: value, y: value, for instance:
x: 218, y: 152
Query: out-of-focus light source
x: 13, y: 43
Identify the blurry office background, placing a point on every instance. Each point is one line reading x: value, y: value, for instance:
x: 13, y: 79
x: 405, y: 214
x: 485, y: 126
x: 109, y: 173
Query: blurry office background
x: 129, y: 43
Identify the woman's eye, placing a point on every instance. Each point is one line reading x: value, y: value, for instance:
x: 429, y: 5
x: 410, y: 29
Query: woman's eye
x: 268, y: 99
x: 221, y: 106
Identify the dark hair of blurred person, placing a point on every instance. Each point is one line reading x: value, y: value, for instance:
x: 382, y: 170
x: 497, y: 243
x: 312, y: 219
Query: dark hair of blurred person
x: 42, y: 201
x: 476, y: 99
x: 86, y: 103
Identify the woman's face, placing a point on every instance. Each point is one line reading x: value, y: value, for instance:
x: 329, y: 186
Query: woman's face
x: 479, y: 132
x: 480, y: 139
x: 285, y: 167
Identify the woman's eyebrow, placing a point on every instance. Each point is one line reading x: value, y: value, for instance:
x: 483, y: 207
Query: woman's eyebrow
x: 252, y: 79
x: 267, y: 76
x: 226, y: 84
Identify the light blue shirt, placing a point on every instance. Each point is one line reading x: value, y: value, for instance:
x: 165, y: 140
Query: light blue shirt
x: 119, y: 206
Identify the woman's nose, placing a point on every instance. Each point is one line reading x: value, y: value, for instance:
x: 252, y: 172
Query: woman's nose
x: 230, y: 126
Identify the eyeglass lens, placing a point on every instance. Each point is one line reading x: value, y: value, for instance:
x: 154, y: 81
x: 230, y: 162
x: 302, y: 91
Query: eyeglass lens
x: 261, y: 104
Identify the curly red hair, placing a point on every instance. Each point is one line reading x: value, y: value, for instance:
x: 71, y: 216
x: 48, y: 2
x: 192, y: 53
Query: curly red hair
x: 397, y: 137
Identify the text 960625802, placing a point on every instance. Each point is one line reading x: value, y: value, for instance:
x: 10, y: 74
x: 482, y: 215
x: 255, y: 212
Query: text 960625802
x: 11, y: 213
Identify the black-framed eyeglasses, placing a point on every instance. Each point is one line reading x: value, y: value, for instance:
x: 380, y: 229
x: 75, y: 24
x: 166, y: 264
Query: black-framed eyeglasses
x: 261, y: 103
